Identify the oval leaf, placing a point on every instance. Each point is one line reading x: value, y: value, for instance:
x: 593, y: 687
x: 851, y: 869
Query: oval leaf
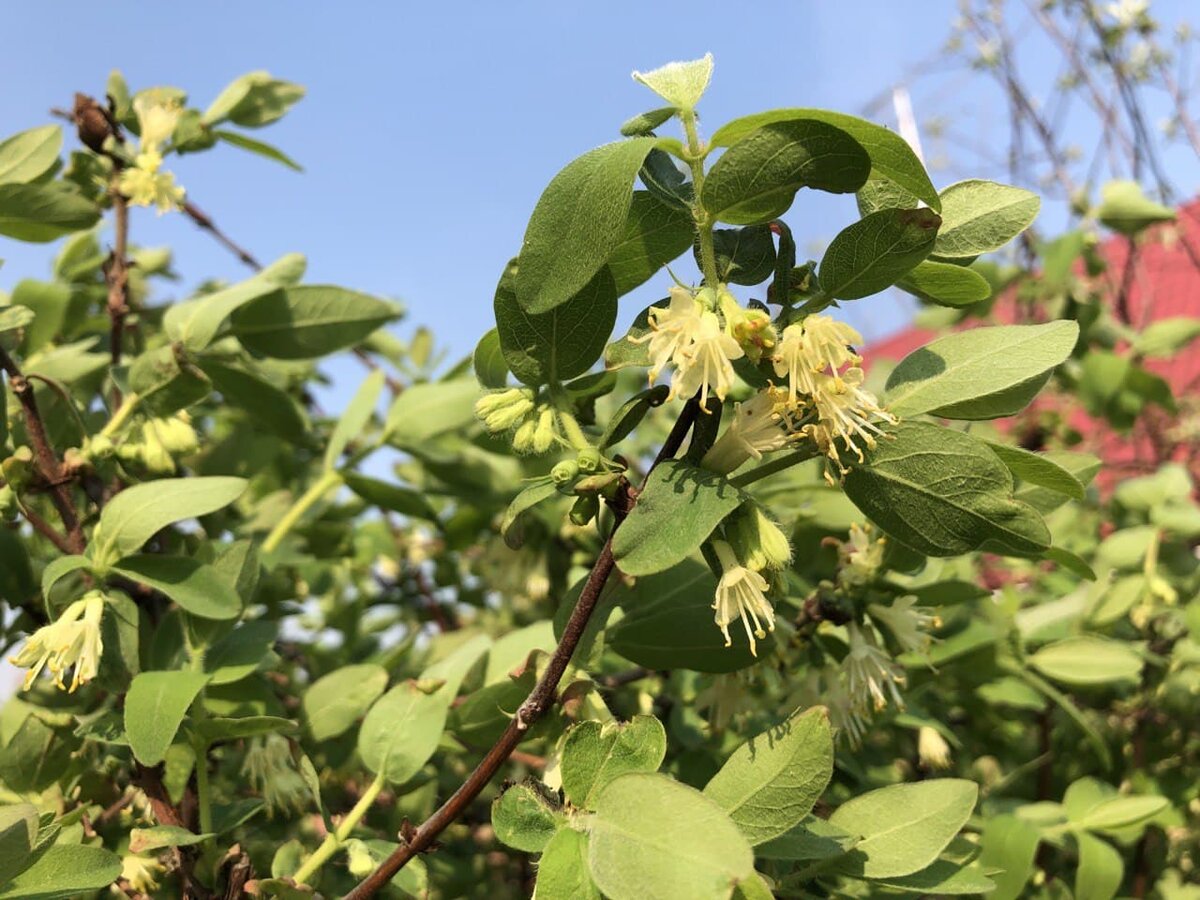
x: 874, y: 252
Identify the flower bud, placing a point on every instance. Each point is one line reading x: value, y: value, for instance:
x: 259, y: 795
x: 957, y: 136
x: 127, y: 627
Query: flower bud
x: 177, y: 434
x: 932, y: 749
x: 17, y: 468
x: 585, y: 509
x: 523, y: 439
x: 501, y: 410
x: 544, y: 434
x: 760, y: 542
x: 565, y: 471
x: 589, y: 460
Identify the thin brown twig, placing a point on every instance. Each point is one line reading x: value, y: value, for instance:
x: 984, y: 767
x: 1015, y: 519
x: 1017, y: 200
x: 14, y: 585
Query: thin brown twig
x: 540, y: 698
x: 116, y: 273
x: 204, y: 221
x: 47, y: 460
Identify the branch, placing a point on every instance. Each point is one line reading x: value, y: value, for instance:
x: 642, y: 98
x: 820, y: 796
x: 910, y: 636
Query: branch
x: 202, y: 219
x: 47, y: 460
x: 116, y: 273
x: 540, y: 698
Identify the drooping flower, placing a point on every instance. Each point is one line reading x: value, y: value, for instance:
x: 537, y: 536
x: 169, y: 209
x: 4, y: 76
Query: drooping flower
x: 672, y: 329
x: 760, y: 425
x: 817, y: 345
x: 871, y: 675
x: 741, y: 594
x: 826, y: 686
x: 141, y: 872
x: 158, y: 114
x: 932, y: 749
x: 271, y: 770
x: 908, y: 623
x: 501, y: 410
x: 847, y: 413
x: 144, y: 183
x: 707, y: 363
x: 72, y: 640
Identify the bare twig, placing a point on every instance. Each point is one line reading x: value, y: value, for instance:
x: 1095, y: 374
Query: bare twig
x: 540, y: 698
x: 202, y: 219
x: 116, y: 273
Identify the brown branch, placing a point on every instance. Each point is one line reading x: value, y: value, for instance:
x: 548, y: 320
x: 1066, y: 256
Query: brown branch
x: 46, y: 530
x: 47, y: 460
x: 540, y: 698
x: 116, y: 273
x: 1126, y: 286
x: 202, y: 219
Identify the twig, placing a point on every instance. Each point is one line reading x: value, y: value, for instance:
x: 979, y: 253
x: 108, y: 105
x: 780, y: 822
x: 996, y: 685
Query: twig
x: 539, y: 699
x: 116, y: 273
x: 47, y: 461
x: 202, y: 219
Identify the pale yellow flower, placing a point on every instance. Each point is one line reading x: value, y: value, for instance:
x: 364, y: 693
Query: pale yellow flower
x: 817, y: 345
x: 758, y: 426
x: 908, y: 623
x: 871, y: 675
x: 846, y: 413
x: 150, y: 187
x: 860, y: 557
x: 741, y: 594
x: 672, y: 329
x: 73, y: 640
x: 141, y: 872
x: 706, y: 363
x: 158, y: 115
x: 932, y: 749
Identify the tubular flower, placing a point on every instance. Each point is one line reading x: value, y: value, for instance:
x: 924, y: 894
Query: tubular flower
x: 860, y: 557
x: 672, y: 329
x: 818, y: 345
x: 501, y: 410
x: 760, y: 425
x: 741, y: 595
x: 141, y: 872
x: 72, y: 640
x: 908, y: 623
x: 158, y: 114
x: 847, y: 413
x: 707, y: 362
x: 271, y: 771
x: 932, y: 749
x: 143, y: 183
x: 871, y: 675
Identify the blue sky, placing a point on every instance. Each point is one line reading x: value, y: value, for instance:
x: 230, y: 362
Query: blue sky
x: 429, y: 130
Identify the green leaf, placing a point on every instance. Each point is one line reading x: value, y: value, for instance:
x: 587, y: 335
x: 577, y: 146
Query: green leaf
x: 981, y: 373
x: 336, y: 701
x: 259, y: 148
x: 355, y: 417
x: 744, y: 255
x: 891, y: 156
x: 60, y: 568
x: 154, y: 709
x: 883, y: 193
x: 655, y: 837
x: 64, y: 870
x: 943, y: 493
x: 18, y: 835
x: 655, y: 233
x: 43, y: 212
x: 946, y: 284
x: 308, y: 322
x: 562, y: 872
x: 423, y: 411
x: 1126, y: 209
x: 253, y: 100
x: 222, y: 729
x: 942, y: 878
x: 268, y: 406
x: 524, y: 818
x: 1081, y: 466
x: 674, y: 515
x: 981, y: 216
x: 50, y: 302
x: 394, y: 497
x: 1120, y: 812
x: 553, y: 346
x: 874, y: 252
x: 904, y: 826
x: 1100, y: 871
x: 166, y: 380
x: 679, y: 83
x: 28, y: 155
x: 756, y: 179
x: 488, y: 361
x: 1038, y: 469
x: 1163, y: 338
x: 34, y: 757
x: 631, y: 413
x: 14, y: 318
x: 193, y: 585
x: 196, y: 322
x: 577, y: 223
x: 627, y: 350
x: 1009, y: 845
x: 811, y: 839
x: 771, y: 782
x: 242, y: 652
x: 143, y: 840
x: 137, y: 513
x: 643, y: 124
x: 668, y: 623
x: 594, y: 754
x: 1087, y: 660
x: 511, y: 523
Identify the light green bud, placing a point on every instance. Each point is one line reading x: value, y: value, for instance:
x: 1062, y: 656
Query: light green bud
x: 565, y: 471
x: 760, y: 543
x: 589, y: 460
x: 544, y: 434
x: 177, y: 435
x: 502, y: 410
x: 523, y: 439
x: 8, y: 499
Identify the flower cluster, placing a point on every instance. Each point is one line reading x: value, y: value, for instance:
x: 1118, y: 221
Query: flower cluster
x: 535, y: 424
x: 144, y: 183
x: 71, y: 641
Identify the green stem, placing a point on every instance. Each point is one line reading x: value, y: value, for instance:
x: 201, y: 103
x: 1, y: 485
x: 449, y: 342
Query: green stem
x: 334, y: 840
x: 573, y: 430
x: 704, y: 222
x: 124, y: 412
x: 778, y: 464
x: 203, y: 791
x: 328, y: 480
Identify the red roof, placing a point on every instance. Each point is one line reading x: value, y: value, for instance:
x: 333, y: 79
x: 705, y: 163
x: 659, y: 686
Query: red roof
x: 1165, y: 283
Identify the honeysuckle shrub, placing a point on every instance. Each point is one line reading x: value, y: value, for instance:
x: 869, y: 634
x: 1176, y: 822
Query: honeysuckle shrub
x: 702, y: 608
